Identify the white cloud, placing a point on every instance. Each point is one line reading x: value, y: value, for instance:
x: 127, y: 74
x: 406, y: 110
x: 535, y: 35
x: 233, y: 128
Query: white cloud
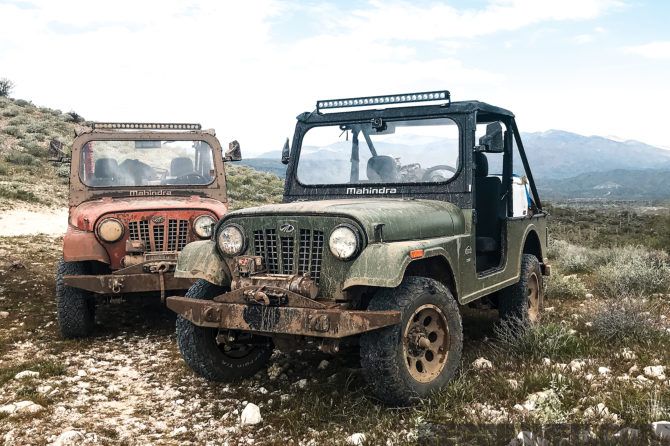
x: 583, y: 39
x: 659, y: 50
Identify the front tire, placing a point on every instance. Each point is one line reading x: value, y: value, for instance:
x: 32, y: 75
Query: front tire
x: 524, y: 300
x: 216, y: 361
x: 75, y: 307
x: 406, y: 362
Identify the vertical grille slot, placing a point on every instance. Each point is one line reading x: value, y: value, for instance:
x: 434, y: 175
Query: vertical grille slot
x: 271, y: 254
x: 143, y: 226
x: 259, y: 244
x: 183, y: 232
x: 317, y: 254
x: 304, y: 250
x: 172, y: 235
x: 287, y: 255
x: 159, y: 238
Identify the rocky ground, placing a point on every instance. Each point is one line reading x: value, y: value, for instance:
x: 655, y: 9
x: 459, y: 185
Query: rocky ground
x: 128, y: 384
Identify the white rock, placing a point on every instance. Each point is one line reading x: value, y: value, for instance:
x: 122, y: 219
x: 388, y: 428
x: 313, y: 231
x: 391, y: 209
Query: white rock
x: 588, y: 296
x: 284, y: 397
x: 69, y: 438
x: 179, y: 431
x: 538, y: 398
x: 572, y: 331
x: 27, y: 374
x: 576, y: 365
x: 4, y: 314
x: 262, y: 390
x: 356, y: 439
x: 44, y: 389
x: 21, y: 407
x: 661, y: 429
x: 323, y: 365
x: 628, y: 354
x: 588, y: 377
x: 251, y: 415
x: 642, y: 379
x: 81, y: 373
x: 482, y: 363
x: 302, y: 383
x: 549, y: 309
x: 513, y: 384
x: 527, y: 438
x: 655, y: 371
x: 546, y: 361
x: 604, y: 370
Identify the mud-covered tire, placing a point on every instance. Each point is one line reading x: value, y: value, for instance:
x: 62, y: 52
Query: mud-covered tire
x: 75, y: 307
x: 203, y: 354
x: 384, y: 352
x: 524, y: 300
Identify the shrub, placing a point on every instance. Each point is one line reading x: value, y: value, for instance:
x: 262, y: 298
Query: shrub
x: 63, y: 170
x: 4, y: 169
x: 18, y: 194
x: 570, y: 286
x: 10, y: 112
x: 633, y: 271
x: 36, y: 127
x: 20, y: 158
x: 33, y: 147
x: 21, y: 102
x: 18, y: 120
x: 14, y: 131
x: 528, y: 341
x: 6, y: 87
x: 627, y: 320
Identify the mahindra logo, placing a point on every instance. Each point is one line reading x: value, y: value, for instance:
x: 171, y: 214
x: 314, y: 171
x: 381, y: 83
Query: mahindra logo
x: 149, y: 192
x: 158, y: 219
x: 286, y: 228
x: 371, y: 190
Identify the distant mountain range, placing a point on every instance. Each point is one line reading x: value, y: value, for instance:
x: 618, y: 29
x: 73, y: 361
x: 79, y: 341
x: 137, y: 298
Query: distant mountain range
x: 568, y: 165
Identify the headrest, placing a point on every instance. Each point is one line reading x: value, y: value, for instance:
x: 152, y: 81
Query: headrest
x: 481, y: 165
x: 382, y: 168
x: 105, y: 168
x: 181, y: 166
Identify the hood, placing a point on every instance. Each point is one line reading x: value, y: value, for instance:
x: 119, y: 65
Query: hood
x: 403, y: 219
x: 86, y: 214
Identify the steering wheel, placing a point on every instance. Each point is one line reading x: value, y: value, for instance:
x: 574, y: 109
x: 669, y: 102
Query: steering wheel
x: 428, y: 172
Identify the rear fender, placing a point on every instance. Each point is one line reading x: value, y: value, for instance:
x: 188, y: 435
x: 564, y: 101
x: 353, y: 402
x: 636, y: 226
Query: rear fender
x: 384, y: 264
x: 201, y: 260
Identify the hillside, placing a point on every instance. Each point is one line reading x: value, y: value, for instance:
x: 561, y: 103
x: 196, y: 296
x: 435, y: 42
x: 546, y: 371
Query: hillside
x: 26, y: 175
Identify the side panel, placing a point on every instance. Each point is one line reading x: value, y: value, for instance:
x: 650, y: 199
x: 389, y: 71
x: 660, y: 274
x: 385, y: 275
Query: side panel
x: 79, y: 246
x: 200, y: 260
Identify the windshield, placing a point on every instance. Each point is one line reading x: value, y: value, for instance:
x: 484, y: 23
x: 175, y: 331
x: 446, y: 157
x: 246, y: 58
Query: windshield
x: 146, y: 163
x: 417, y: 151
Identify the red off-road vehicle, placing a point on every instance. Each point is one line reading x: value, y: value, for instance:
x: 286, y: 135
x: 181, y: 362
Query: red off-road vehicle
x: 138, y: 194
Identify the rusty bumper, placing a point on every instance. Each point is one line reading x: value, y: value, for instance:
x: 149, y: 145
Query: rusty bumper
x: 313, y: 320
x: 126, y: 283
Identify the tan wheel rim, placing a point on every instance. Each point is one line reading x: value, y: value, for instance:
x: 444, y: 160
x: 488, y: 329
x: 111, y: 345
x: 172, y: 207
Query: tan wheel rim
x: 426, y: 343
x: 533, y: 294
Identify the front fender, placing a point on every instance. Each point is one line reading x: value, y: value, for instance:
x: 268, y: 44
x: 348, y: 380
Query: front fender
x: 201, y: 260
x: 384, y: 264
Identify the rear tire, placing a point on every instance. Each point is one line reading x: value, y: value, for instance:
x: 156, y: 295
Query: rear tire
x: 524, y: 300
x: 75, y: 307
x: 210, y: 359
x: 408, y: 361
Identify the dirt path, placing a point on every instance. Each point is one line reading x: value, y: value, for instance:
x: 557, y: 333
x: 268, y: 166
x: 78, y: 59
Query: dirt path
x: 32, y: 221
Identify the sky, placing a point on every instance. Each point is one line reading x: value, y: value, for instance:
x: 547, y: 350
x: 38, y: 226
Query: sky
x: 248, y: 68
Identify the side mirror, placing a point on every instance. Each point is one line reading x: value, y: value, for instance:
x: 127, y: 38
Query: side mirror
x: 285, y: 153
x: 493, y: 140
x: 234, y: 153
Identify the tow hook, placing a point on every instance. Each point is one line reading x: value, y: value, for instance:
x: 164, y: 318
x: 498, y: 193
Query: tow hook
x: 116, y: 284
x: 161, y: 268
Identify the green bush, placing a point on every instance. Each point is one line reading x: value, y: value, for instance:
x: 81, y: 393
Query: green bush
x: 63, y: 171
x: 4, y: 169
x: 571, y: 287
x: 14, y: 131
x: 628, y: 320
x: 527, y: 341
x: 10, y: 112
x: 22, y: 159
x: 633, y: 271
x: 33, y: 147
x: 18, y: 120
x: 36, y: 127
x: 15, y: 193
x: 21, y: 102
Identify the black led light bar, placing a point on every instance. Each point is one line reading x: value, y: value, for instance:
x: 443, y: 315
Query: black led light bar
x: 428, y: 96
x: 144, y: 126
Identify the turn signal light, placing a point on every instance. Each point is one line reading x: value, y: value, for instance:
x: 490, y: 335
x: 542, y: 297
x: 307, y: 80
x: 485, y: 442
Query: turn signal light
x: 416, y: 254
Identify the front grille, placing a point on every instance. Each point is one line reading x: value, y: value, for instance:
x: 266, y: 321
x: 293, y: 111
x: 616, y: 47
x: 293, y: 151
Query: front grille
x: 282, y: 256
x: 159, y: 237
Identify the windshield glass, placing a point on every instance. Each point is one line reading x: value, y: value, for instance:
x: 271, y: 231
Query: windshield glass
x: 146, y: 163
x: 417, y: 151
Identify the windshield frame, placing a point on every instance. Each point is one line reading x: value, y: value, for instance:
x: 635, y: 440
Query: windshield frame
x: 456, y: 188
x: 157, y: 186
x: 363, y: 143
x: 80, y: 192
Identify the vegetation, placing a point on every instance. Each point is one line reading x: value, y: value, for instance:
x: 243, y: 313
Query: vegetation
x: 6, y: 87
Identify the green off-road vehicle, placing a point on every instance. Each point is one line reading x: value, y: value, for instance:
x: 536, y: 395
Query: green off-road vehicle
x: 397, y: 209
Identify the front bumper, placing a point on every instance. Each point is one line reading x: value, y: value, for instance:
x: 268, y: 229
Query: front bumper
x: 292, y: 315
x: 134, y: 279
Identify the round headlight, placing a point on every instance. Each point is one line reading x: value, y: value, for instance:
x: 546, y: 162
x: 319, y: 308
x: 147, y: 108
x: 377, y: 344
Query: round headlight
x: 231, y: 240
x: 202, y: 226
x: 110, y: 230
x: 343, y: 242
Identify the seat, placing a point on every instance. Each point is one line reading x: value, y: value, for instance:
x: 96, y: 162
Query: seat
x: 382, y: 168
x: 487, y: 204
x: 105, y: 173
x: 181, y: 166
